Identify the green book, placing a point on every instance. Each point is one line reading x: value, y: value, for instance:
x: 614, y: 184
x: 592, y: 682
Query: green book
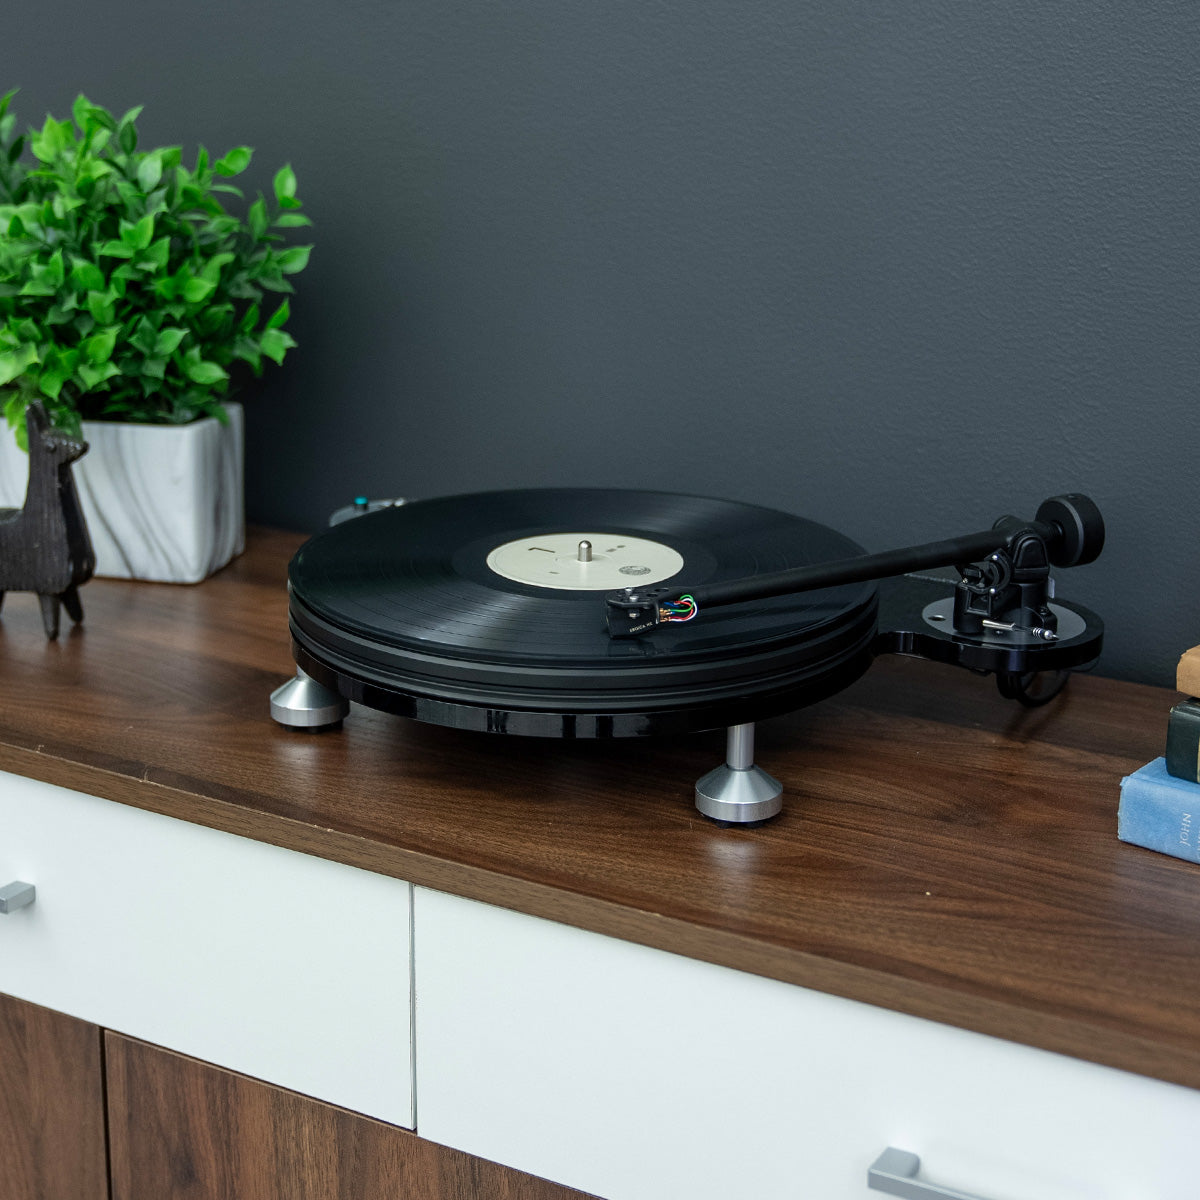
x: 1183, y: 741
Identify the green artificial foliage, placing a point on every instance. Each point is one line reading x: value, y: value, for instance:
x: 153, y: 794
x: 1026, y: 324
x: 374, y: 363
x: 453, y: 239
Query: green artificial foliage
x: 127, y: 291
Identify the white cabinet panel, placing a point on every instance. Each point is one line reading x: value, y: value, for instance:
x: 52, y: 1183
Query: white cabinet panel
x: 276, y: 964
x: 641, y: 1075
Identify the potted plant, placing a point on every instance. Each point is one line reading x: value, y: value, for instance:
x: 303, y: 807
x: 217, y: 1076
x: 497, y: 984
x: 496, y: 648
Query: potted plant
x: 130, y: 299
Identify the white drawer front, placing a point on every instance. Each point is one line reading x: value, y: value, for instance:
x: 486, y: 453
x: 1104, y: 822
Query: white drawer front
x: 276, y: 964
x: 640, y: 1075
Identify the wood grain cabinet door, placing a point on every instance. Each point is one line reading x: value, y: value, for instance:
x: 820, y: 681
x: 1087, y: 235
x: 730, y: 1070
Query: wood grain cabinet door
x: 184, y: 1130
x: 51, y: 1106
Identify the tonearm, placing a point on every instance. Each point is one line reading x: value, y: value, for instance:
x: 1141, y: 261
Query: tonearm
x: 1001, y: 620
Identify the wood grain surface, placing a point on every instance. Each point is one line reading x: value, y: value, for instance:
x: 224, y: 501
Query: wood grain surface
x: 942, y: 851
x: 51, y: 1106
x: 189, y: 1131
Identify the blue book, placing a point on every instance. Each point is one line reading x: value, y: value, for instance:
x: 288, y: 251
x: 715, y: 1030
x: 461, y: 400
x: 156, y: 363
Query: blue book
x: 1160, y: 812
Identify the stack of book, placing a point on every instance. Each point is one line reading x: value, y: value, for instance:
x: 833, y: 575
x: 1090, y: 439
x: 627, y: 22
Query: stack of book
x: 1160, y: 804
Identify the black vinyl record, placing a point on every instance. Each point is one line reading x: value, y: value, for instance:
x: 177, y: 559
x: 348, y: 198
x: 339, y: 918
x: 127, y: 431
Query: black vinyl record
x: 400, y: 610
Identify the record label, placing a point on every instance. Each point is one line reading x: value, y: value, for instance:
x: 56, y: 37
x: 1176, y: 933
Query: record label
x: 585, y: 562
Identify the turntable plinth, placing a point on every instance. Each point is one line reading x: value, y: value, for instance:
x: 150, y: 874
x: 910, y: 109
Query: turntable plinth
x: 944, y: 853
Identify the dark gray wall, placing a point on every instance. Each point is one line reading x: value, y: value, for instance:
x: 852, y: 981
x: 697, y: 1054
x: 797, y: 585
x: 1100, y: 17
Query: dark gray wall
x: 897, y: 267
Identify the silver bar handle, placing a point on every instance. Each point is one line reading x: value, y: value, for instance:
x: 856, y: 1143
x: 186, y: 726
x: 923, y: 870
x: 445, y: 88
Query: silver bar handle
x: 16, y: 895
x: 895, y: 1172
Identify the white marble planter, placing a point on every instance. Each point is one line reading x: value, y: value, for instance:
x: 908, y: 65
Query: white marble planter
x: 162, y: 502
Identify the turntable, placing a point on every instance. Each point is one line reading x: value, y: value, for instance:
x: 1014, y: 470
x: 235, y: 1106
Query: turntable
x: 589, y: 613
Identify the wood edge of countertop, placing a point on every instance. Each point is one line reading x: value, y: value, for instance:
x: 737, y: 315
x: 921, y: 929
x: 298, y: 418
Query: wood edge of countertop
x: 1105, y: 1045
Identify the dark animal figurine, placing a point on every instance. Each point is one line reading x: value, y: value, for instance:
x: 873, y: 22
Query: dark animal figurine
x: 44, y: 547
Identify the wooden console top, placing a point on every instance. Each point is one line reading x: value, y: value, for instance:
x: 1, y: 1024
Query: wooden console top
x: 942, y: 851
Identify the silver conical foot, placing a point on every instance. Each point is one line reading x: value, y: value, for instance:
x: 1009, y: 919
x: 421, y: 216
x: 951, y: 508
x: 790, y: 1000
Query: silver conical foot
x: 303, y: 703
x: 738, y: 791
x: 740, y: 795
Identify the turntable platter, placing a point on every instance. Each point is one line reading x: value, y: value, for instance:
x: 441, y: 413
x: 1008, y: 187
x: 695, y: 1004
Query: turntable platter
x: 487, y: 612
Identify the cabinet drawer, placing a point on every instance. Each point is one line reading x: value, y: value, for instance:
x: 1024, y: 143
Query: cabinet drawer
x: 641, y: 1075
x: 275, y: 964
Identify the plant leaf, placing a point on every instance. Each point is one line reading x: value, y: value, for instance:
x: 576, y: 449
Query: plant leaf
x: 16, y: 362
x: 275, y: 343
x: 234, y: 162
x: 150, y: 171
x: 247, y: 349
x: 118, y: 281
x: 207, y: 373
x: 212, y: 269
x: 99, y: 347
x: 285, y: 183
x: 257, y: 219
x: 144, y: 336
x: 197, y: 290
x: 86, y: 276
x: 61, y: 314
x: 157, y: 255
x: 168, y: 340
x: 127, y: 130
x: 81, y: 109
x: 94, y: 374
x: 293, y: 259
x: 100, y: 305
x: 139, y: 236
x: 55, y: 272
x: 53, y: 139
x: 60, y: 366
x: 279, y: 316
x: 14, y: 414
x: 103, y: 118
